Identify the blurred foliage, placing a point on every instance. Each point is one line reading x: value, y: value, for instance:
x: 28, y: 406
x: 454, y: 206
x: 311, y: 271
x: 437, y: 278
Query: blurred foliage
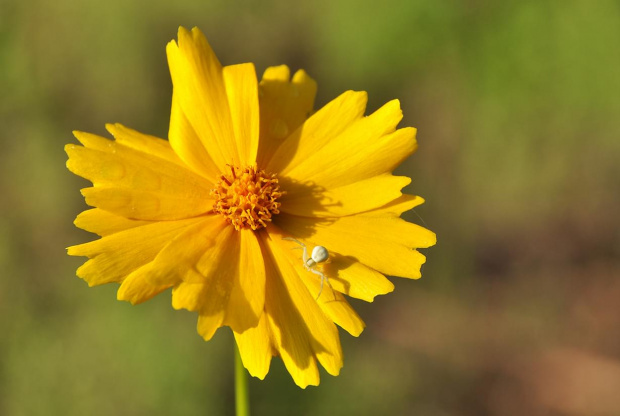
x: 517, y: 108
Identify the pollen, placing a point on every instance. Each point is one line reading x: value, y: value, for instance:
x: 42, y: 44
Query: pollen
x: 247, y: 197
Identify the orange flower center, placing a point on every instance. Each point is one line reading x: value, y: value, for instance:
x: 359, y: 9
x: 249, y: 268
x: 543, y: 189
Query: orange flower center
x: 247, y: 197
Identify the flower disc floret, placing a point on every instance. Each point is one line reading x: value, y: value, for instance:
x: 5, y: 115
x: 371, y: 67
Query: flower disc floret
x: 247, y: 197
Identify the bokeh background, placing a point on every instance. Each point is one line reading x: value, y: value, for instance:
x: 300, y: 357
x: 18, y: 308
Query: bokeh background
x: 517, y: 106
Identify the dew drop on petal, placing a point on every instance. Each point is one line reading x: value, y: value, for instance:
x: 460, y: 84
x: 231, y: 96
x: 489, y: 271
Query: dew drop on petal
x: 279, y: 129
x: 151, y: 203
x: 113, y: 171
x: 118, y: 201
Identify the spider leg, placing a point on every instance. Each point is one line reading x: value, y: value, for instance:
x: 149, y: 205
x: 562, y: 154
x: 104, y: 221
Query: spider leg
x: 323, y: 279
x: 295, y: 240
x: 302, y: 246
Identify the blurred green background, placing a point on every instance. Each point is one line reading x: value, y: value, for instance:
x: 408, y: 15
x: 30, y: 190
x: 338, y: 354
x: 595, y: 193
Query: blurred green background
x: 517, y: 106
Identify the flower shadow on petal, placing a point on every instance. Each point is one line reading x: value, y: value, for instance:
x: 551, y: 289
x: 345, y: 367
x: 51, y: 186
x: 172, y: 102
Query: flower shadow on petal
x: 315, y: 201
x: 336, y: 263
x: 314, y: 195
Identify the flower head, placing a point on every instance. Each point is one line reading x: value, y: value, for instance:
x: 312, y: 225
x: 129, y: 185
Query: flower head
x: 247, y: 167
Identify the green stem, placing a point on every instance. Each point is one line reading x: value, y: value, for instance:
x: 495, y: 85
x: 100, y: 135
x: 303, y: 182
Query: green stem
x: 242, y: 393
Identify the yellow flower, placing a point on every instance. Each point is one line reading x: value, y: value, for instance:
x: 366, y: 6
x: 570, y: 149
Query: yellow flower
x: 206, y: 213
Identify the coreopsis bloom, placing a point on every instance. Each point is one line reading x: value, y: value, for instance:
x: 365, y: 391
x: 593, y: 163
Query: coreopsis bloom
x: 248, y: 174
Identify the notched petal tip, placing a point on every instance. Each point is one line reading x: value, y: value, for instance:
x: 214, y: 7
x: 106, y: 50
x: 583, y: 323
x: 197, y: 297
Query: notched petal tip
x: 303, y: 383
x: 83, y: 273
x: 188, y: 38
x: 78, y: 134
x: 393, y: 108
x: 395, y: 102
x: 277, y: 73
x: 302, y: 77
x: 362, y: 97
x: 114, y: 128
x: 68, y: 149
x: 123, y: 296
x: 431, y: 239
x: 173, y: 54
x: 386, y: 290
x: 183, y: 33
x: 197, y: 33
x: 172, y: 45
x: 413, y: 133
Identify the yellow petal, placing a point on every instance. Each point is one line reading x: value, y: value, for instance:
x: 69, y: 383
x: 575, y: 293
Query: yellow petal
x: 128, y: 181
x: 284, y: 106
x: 331, y: 302
x: 199, y: 87
x: 242, y: 91
x: 223, y: 296
x: 367, y: 148
x: 397, y: 207
x: 296, y: 314
x: 288, y: 332
x: 105, y: 223
x: 115, y: 256
x: 210, y: 322
x: 354, y: 198
x: 105, y: 162
x: 144, y: 143
x: 339, y: 310
x: 319, y: 130
x: 177, y: 261
x: 146, y: 205
x: 215, y: 268
x: 136, y: 288
x: 94, y: 142
x: 187, y: 144
x: 354, y: 279
x: 255, y: 348
x: 247, y: 298
x: 383, y: 243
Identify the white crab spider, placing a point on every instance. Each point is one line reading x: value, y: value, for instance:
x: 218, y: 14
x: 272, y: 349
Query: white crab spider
x: 319, y: 255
